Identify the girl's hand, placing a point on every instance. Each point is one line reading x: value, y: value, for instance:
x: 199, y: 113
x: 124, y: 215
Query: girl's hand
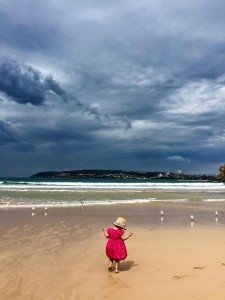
x: 105, y: 233
x: 131, y: 234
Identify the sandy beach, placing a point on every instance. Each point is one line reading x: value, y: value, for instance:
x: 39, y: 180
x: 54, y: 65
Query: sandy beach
x: 61, y: 255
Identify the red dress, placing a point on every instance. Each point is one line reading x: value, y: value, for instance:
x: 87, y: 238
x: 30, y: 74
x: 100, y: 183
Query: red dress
x: 115, y: 247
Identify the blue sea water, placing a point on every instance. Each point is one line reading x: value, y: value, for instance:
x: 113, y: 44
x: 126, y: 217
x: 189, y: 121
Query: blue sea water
x: 24, y: 192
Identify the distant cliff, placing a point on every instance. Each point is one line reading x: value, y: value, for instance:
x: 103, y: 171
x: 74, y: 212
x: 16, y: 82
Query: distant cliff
x: 119, y: 174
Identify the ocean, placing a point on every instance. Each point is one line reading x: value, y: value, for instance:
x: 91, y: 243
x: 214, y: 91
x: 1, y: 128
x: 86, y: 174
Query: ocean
x: 20, y: 192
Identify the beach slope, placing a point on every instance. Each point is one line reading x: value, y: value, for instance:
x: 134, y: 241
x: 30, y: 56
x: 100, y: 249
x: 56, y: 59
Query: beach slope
x: 62, y: 257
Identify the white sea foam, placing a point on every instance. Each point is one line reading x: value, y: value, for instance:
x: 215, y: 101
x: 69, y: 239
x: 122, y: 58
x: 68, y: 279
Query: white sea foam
x: 23, y: 204
x: 214, y: 200
x: 41, y: 203
x: 65, y: 186
x: 41, y: 193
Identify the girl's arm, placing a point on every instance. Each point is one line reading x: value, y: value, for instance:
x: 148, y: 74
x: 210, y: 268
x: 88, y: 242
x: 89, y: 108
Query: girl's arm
x: 105, y: 233
x: 125, y: 237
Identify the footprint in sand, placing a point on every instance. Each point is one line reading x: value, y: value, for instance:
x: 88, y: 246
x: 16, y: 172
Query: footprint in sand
x: 179, y: 277
x: 183, y: 276
x: 199, y: 268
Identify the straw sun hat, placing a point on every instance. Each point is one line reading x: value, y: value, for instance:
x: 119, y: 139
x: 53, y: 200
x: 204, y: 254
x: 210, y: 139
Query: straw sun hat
x: 120, y: 222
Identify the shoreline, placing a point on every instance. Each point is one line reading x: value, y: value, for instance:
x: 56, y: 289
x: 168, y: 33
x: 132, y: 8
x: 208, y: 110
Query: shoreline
x: 144, y: 214
x: 77, y: 198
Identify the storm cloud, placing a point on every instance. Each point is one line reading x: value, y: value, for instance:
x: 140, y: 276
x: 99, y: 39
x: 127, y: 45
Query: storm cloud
x: 23, y: 84
x: 7, y: 133
x: 123, y: 85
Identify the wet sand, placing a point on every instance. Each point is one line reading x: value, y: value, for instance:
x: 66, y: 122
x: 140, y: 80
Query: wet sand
x: 61, y: 255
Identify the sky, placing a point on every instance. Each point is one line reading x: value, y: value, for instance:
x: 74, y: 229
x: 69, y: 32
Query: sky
x: 123, y: 84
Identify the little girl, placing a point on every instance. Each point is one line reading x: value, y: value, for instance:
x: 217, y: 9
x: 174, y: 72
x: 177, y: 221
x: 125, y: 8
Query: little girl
x: 115, y: 247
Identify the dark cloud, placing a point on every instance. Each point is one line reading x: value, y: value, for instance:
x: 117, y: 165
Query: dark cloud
x: 11, y: 140
x: 23, y: 84
x: 130, y: 84
x: 8, y: 133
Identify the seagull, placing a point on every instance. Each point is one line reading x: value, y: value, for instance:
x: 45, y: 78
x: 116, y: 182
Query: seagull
x: 33, y: 208
x: 192, y: 218
x: 162, y: 213
x: 46, y: 208
x: 33, y: 214
x: 216, y: 213
x: 46, y: 214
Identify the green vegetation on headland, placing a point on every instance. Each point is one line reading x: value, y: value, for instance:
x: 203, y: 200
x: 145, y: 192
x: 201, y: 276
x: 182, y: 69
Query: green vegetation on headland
x: 120, y: 174
x: 221, y: 175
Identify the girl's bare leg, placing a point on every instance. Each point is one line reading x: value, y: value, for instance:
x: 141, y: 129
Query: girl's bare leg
x: 110, y: 265
x: 117, y: 266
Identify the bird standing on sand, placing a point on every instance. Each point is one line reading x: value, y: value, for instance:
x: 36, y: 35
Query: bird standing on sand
x: 192, y: 220
x: 216, y: 213
x: 33, y: 208
x: 46, y: 208
x: 162, y: 212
